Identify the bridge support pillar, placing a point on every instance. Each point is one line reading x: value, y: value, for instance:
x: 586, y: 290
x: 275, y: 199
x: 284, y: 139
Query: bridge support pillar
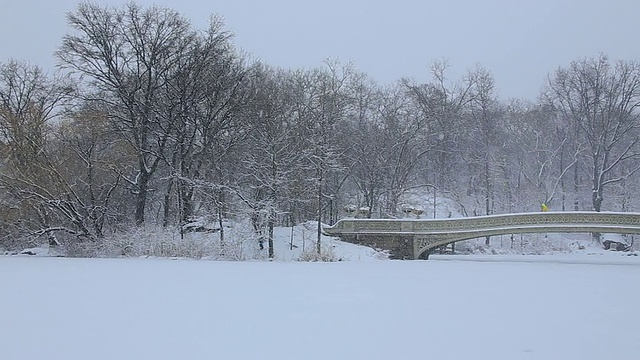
x: 400, y: 246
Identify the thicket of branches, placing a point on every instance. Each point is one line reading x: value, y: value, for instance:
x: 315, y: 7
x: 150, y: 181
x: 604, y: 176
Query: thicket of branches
x: 151, y: 122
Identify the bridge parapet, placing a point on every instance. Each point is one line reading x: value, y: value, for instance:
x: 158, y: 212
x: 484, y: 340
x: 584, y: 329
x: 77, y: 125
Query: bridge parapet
x: 483, y: 222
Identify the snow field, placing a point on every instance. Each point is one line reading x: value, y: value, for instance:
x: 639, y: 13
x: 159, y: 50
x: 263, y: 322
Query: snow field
x: 61, y: 308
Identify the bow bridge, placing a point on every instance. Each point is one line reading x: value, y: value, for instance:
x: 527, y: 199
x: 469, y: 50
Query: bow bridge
x: 416, y: 238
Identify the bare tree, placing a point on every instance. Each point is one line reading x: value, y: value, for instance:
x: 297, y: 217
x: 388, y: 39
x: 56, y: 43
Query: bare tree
x: 29, y: 101
x: 486, y: 144
x: 272, y: 155
x: 204, y: 98
x: 407, y: 143
x: 128, y: 55
x: 538, y: 158
x: 91, y: 153
x: 320, y: 109
x: 601, y: 101
x: 443, y: 104
x: 367, y: 153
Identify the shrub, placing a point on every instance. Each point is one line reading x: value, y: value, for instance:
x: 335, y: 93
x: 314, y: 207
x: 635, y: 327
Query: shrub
x: 327, y: 254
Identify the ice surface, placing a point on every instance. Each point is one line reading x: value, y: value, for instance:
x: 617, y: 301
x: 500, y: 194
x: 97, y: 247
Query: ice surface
x: 61, y: 308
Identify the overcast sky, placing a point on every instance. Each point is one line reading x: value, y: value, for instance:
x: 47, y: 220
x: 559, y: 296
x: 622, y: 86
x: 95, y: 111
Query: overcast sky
x: 519, y: 41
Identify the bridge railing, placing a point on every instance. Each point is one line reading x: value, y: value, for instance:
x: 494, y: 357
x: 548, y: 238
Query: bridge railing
x: 521, y: 220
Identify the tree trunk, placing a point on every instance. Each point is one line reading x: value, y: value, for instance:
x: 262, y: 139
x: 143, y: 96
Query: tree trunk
x: 167, y: 204
x: 318, y: 244
x: 487, y: 195
x: 222, y: 244
x: 270, y: 234
x: 187, y: 203
x: 141, y: 197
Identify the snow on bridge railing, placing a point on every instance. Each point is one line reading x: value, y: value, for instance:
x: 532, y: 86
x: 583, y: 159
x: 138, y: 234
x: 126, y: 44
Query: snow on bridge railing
x: 566, y: 219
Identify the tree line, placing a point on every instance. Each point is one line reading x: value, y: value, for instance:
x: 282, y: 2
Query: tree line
x: 152, y: 122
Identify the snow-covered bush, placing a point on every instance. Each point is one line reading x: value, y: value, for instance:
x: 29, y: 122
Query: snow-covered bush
x: 160, y: 243
x: 327, y: 254
x: 239, y: 243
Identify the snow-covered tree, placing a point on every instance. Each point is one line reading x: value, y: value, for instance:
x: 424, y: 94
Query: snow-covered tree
x: 32, y: 176
x: 129, y: 55
x: 601, y: 100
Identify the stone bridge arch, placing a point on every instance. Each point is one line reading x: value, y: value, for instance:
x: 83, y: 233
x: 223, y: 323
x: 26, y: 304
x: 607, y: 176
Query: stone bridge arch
x: 412, y: 238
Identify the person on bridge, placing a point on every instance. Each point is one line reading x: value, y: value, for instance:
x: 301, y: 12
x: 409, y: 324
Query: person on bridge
x: 544, y: 207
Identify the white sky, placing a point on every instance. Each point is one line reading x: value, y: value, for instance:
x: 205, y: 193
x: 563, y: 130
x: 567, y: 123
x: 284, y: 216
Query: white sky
x: 520, y: 41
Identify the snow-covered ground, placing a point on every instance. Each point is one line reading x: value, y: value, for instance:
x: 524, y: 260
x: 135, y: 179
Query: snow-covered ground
x: 496, y: 307
x: 290, y: 244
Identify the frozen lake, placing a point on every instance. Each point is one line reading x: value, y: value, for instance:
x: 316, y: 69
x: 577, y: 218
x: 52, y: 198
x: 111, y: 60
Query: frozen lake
x: 562, y: 307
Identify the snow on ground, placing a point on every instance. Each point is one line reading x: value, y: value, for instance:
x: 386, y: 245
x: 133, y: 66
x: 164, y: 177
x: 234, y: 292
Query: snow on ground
x: 304, y: 239
x: 290, y: 244
x: 62, y: 308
